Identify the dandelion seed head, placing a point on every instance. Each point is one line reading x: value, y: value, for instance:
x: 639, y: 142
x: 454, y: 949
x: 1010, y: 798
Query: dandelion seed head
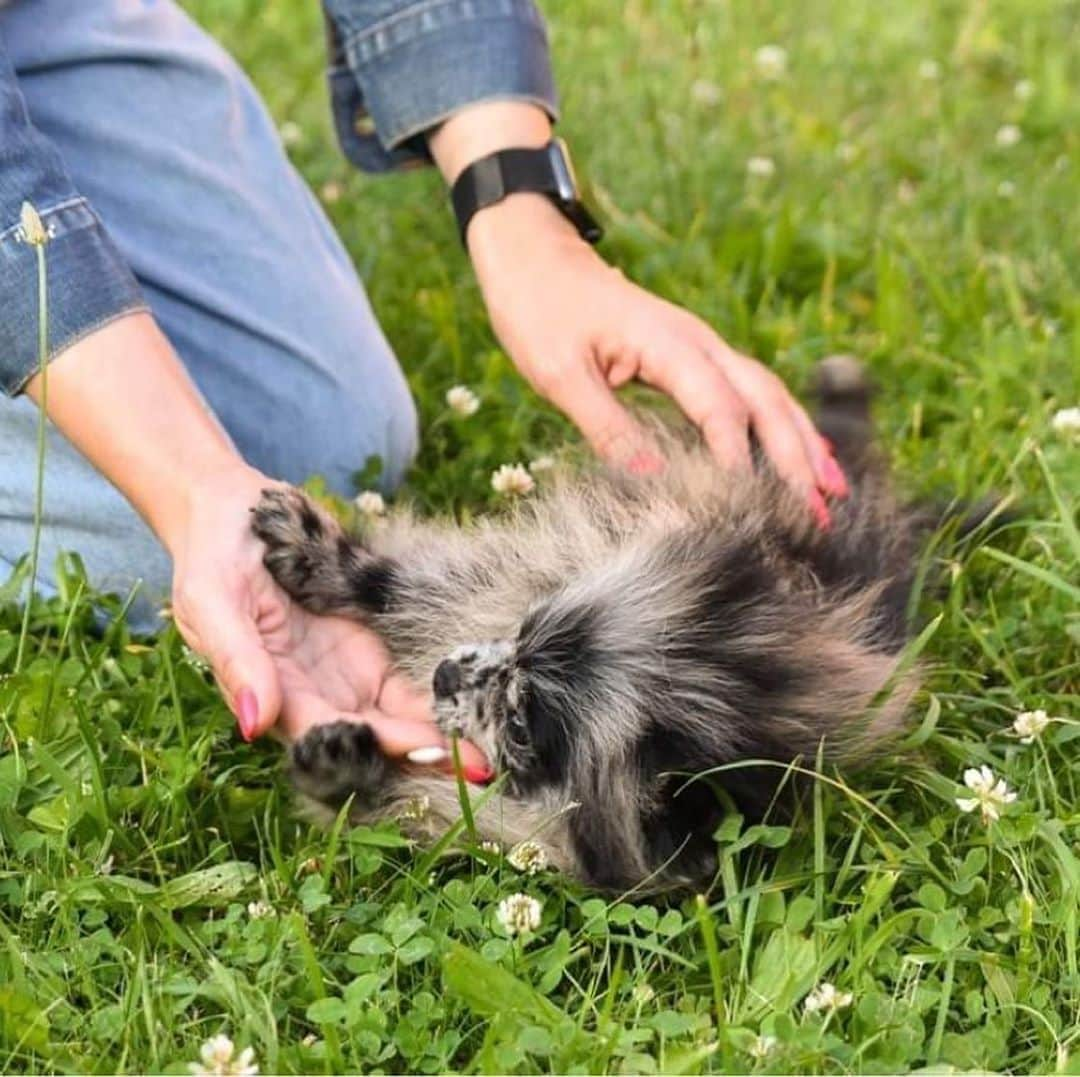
x: 519, y: 914
x: 512, y: 480
x: 462, y: 400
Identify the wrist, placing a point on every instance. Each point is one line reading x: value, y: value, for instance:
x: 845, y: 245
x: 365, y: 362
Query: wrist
x: 519, y: 224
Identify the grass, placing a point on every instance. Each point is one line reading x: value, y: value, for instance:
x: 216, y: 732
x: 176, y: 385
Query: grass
x: 135, y: 828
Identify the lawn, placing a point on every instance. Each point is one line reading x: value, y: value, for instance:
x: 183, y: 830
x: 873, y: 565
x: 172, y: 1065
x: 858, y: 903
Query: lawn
x: 921, y: 209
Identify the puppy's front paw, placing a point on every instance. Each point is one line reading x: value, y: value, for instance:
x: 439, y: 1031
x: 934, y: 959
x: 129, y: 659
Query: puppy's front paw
x: 302, y: 542
x: 333, y: 762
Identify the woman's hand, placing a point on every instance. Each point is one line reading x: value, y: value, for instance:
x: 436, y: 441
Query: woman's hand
x: 578, y: 329
x: 282, y: 669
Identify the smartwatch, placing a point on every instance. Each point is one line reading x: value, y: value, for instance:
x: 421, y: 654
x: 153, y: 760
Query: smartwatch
x: 546, y: 171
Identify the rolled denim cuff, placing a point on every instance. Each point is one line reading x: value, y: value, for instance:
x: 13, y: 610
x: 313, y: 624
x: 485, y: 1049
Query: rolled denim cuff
x: 403, y: 74
x: 88, y: 285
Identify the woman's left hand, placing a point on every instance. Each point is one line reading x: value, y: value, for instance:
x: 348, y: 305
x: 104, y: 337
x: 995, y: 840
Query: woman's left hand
x: 577, y: 329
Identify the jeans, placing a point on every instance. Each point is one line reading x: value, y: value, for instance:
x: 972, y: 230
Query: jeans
x: 169, y: 142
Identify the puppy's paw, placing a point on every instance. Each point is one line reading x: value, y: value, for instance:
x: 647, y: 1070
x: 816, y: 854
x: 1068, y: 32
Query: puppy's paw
x: 304, y: 546
x: 339, y: 760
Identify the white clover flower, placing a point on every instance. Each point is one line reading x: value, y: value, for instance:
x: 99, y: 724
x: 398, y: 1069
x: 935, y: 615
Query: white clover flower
x: 518, y: 914
x: 1008, y: 134
x: 541, y: 464
x: 826, y: 997
x: 1066, y: 421
x: 1029, y: 725
x: 217, y: 1058
x: 771, y: 62
x: 416, y: 808
x: 991, y: 794
x: 761, y: 167
x: 1006, y: 189
x: 492, y: 847
x: 512, y: 480
x: 643, y: 993
x: 260, y: 910
x: 370, y: 503
x: 528, y: 857
x: 331, y: 192
x: 290, y: 133
x: 463, y: 400
x: 310, y: 1040
x: 33, y: 230
x: 929, y: 70
x: 847, y: 152
x: 706, y: 93
x: 1024, y: 90
x: 762, y: 1047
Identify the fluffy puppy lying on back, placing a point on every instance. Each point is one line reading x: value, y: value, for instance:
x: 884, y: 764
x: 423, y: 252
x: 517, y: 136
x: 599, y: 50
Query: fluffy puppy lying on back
x: 613, y: 637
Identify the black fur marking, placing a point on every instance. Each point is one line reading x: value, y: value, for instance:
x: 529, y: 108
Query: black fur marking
x: 373, y: 583
x: 310, y: 522
x: 339, y: 760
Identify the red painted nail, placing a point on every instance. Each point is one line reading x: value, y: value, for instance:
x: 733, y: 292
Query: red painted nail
x: 834, y: 478
x: 247, y: 713
x: 478, y: 773
x: 645, y: 463
x: 820, y: 511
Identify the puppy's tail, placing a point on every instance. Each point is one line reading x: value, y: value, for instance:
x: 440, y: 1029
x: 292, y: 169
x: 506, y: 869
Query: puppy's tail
x: 844, y: 391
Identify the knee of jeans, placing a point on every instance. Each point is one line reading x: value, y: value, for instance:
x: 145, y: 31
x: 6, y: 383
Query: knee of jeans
x: 352, y: 426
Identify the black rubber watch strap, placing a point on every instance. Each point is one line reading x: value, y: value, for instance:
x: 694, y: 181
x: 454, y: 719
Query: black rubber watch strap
x: 514, y: 171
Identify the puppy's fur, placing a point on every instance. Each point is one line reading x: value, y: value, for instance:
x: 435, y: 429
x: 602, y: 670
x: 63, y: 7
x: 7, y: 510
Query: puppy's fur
x: 613, y: 637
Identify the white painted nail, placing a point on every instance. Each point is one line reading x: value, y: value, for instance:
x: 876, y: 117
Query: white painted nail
x: 427, y: 756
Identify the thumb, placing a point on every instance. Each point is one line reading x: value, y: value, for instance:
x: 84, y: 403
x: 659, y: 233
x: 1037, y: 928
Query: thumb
x: 245, y: 672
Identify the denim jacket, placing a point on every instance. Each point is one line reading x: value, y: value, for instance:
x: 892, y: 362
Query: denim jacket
x: 397, y: 68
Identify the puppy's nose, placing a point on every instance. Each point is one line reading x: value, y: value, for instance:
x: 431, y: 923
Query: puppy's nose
x: 447, y: 678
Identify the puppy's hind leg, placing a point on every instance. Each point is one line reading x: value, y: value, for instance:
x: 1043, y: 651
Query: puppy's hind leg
x: 315, y: 562
x: 339, y: 760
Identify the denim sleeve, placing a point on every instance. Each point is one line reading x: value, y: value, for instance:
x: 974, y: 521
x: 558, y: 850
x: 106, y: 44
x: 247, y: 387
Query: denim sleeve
x: 88, y: 282
x: 399, y: 67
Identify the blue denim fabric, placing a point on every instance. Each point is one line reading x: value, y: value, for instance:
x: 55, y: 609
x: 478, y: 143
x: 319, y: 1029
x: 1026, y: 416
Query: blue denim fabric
x: 399, y: 67
x: 89, y: 281
x: 163, y: 134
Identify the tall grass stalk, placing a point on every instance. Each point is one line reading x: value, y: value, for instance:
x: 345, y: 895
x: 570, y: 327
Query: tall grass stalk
x: 35, y: 234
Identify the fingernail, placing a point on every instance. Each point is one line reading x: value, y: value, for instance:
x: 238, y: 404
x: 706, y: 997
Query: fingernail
x: 820, y: 511
x: 834, y: 478
x: 644, y: 463
x: 247, y: 713
x: 426, y: 756
x: 478, y: 773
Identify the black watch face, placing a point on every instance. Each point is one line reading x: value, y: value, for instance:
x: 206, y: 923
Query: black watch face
x: 563, y: 173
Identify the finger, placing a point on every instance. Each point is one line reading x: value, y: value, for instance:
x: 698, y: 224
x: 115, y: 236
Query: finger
x: 830, y: 476
x: 401, y: 737
x: 706, y: 397
x: 586, y: 398
x: 230, y: 642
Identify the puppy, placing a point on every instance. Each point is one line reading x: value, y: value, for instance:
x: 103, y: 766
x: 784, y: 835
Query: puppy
x: 612, y: 639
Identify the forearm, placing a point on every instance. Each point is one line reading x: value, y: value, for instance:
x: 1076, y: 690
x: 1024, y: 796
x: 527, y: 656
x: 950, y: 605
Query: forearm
x: 122, y: 397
